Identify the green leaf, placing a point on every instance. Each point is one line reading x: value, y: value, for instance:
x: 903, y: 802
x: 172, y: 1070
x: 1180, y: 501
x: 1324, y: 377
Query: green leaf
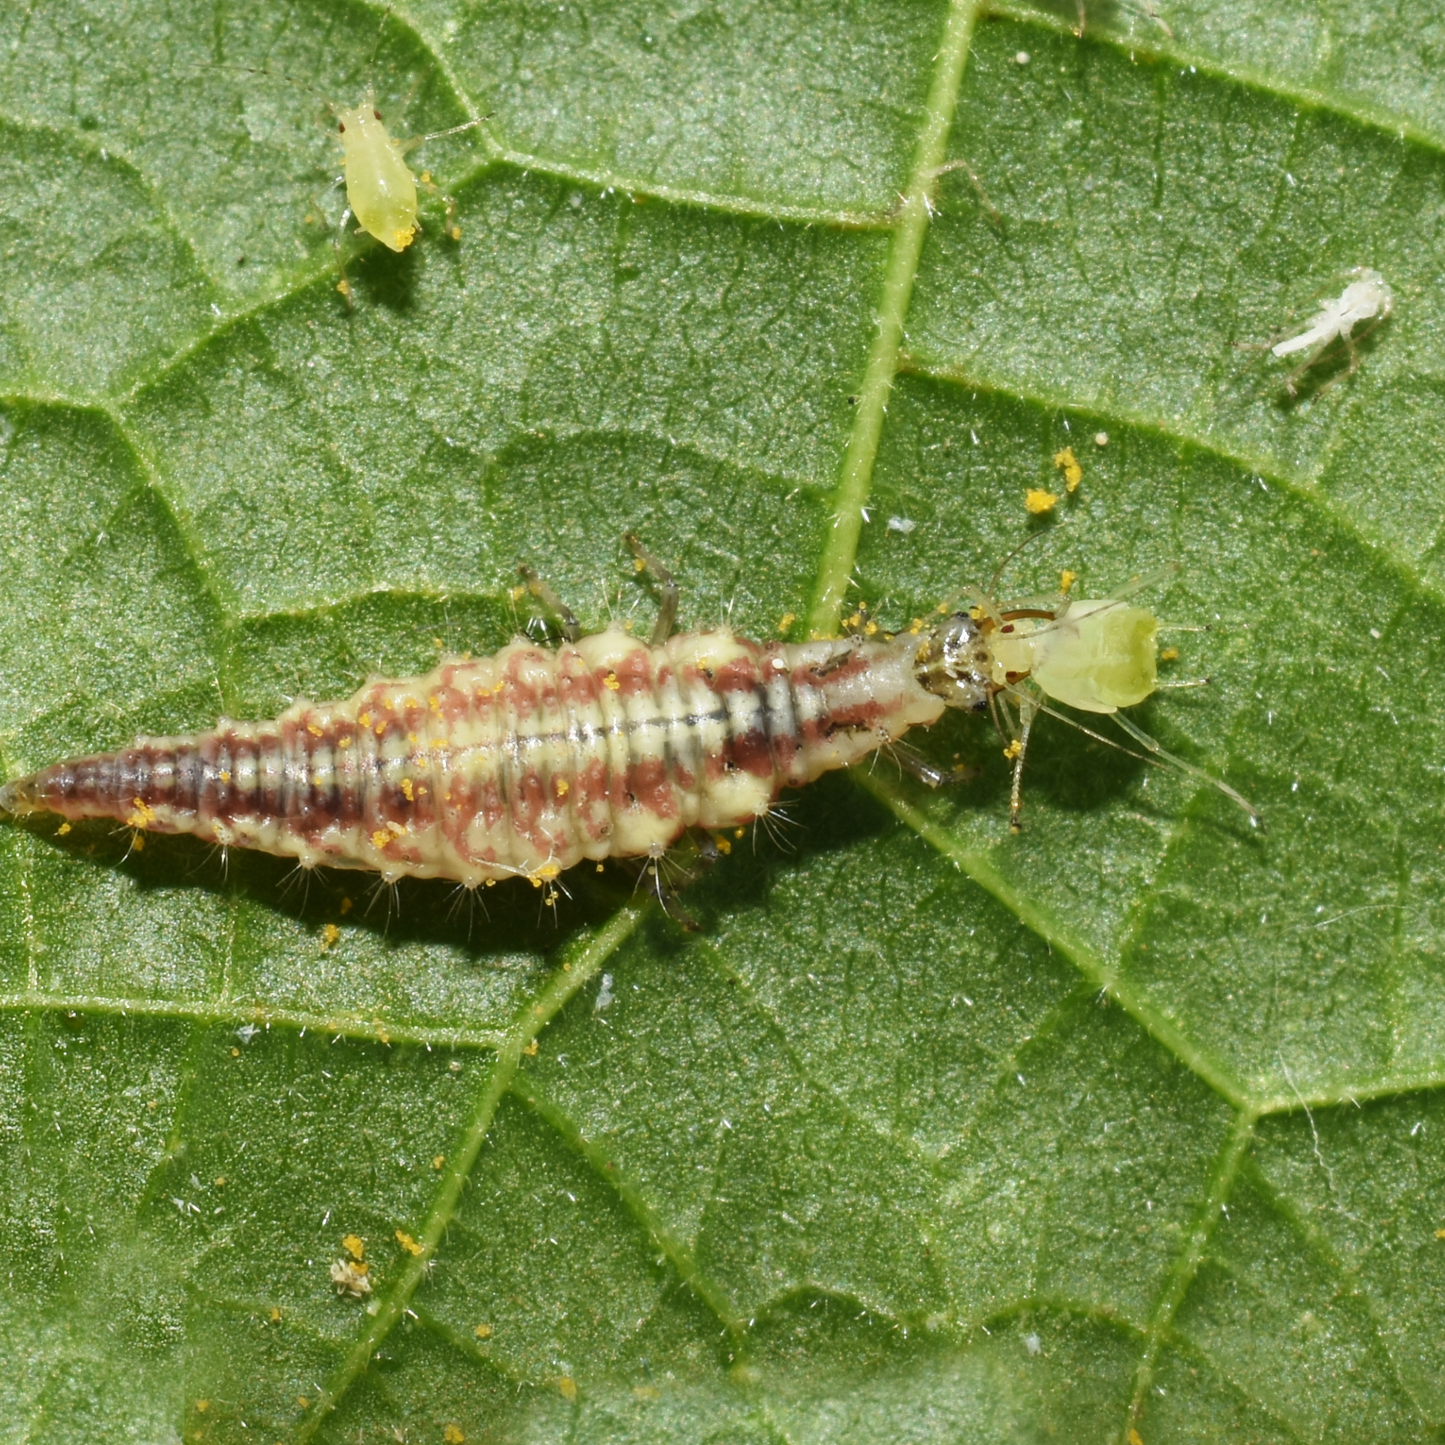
x: 1128, y: 1128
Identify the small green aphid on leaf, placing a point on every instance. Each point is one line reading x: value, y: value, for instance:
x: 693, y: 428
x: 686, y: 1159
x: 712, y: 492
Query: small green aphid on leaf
x: 380, y: 187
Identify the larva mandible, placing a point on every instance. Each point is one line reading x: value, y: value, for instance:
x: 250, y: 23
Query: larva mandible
x: 527, y: 762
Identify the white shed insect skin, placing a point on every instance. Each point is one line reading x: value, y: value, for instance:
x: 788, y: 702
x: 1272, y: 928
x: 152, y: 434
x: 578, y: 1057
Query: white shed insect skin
x: 1367, y: 298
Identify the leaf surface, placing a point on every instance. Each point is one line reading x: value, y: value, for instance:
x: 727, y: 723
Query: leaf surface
x: 1127, y: 1128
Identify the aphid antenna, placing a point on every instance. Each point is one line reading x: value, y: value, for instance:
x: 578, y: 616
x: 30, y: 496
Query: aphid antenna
x: 1003, y: 566
x: 1157, y: 754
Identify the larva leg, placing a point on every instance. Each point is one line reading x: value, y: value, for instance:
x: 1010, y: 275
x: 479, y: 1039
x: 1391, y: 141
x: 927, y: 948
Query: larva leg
x: 927, y: 772
x: 571, y: 628
x: 667, y: 612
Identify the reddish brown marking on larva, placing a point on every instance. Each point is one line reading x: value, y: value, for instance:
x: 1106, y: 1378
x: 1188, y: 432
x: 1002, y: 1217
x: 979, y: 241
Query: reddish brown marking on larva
x: 523, y: 763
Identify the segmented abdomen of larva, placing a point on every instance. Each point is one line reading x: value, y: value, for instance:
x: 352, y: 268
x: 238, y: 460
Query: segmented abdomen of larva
x: 523, y: 763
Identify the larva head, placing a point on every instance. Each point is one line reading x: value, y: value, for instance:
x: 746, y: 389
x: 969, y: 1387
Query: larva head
x: 380, y: 187
x: 1096, y: 656
x: 953, y: 662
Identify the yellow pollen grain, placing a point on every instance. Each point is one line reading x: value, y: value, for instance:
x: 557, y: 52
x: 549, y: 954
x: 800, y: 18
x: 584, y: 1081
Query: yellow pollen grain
x: 916, y: 626
x: 976, y: 613
x: 723, y: 846
x: 1170, y: 654
x: 561, y: 786
x: 1038, y: 501
x: 638, y: 565
x: 567, y: 1387
x: 62, y: 830
x: 408, y: 1243
x: 407, y: 791
x: 453, y: 1435
x: 411, y: 738
x: 856, y: 620
x: 345, y: 906
x: 143, y: 811
x: 330, y: 935
x: 1067, y: 579
x: 364, y: 720
x: 870, y: 628
x: 355, y: 1246
x: 313, y: 729
x: 518, y: 592
x: 1013, y: 750
x: 344, y: 742
x: 380, y: 838
x: 483, y: 1332
x: 435, y: 704
x: 610, y: 682
x: 531, y: 1049
x: 437, y: 1160
x: 786, y: 621
x: 1068, y: 464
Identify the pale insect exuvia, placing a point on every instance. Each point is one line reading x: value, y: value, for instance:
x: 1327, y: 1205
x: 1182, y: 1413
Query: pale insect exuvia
x: 1367, y: 298
x: 532, y: 760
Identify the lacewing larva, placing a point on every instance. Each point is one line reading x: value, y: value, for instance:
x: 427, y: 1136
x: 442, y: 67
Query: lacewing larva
x: 527, y: 762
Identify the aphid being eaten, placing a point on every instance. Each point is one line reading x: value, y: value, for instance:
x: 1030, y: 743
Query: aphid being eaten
x: 525, y: 763
x: 1367, y: 298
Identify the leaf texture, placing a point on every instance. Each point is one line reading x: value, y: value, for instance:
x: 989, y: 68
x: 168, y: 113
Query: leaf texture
x: 1124, y: 1129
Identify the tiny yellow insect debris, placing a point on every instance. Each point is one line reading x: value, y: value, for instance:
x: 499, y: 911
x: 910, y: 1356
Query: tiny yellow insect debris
x: 1068, y: 464
x: 1040, y: 502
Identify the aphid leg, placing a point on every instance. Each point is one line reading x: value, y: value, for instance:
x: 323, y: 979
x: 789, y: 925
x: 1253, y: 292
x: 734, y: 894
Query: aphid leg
x: 644, y: 561
x: 344, y: 285
x: 994, y: 214
x: 424, y: 180
x: 1027, y: 710
x: 571, y: 628
x: 1165, y: 756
